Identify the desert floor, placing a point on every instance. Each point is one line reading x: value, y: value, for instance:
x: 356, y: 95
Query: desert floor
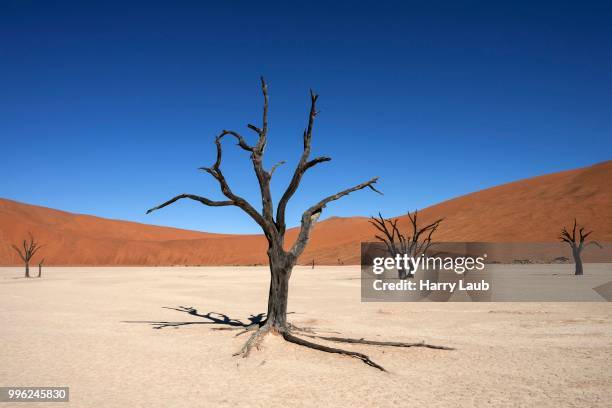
x: 93, y: 329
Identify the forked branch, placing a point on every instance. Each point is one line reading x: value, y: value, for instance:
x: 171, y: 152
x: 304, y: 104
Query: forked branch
x: 302, y: 165
x: 28, y: 250
x: 414, y: 244
x: 577, y: 241
x: 273, y: 228
x: 194, y: 197
x: 310, y: 216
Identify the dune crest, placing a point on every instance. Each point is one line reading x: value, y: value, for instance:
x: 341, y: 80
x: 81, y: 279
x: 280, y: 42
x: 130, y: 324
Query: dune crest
x: 529, y: 210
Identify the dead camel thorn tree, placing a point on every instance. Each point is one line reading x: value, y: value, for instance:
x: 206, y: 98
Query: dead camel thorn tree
x: 273, y: 225
x: 577, y: 243
x: 29, y: 250
x: 40, y: 264
x: 413, y: 245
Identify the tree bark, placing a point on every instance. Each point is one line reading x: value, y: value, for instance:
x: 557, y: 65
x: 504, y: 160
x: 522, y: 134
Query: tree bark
x: 27, y: 270
x: 577, y: 261
x: 281, y: 265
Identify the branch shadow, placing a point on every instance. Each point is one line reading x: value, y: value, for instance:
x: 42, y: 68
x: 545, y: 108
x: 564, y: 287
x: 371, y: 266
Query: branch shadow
x: 212, y: 318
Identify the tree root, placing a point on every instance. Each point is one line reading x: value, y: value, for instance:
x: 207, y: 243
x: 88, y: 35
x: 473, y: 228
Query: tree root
x: 307, y: 329
x: 247, y: 329
x: 257, y: 337
x: 293, y: 334
x: 262, y: 331
x: 255, y: 326
x: 253, y: 341
x: 294, y: 328
x: 290, y: 327
x: 296, y: 340
x: 378, y: 343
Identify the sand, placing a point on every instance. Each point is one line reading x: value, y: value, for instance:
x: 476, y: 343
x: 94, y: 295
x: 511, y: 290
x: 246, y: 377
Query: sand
x: 82, y: 328
x: 530, y: 210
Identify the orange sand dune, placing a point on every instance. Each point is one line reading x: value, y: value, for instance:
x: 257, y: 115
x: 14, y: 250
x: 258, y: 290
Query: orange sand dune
x: 527, y: 210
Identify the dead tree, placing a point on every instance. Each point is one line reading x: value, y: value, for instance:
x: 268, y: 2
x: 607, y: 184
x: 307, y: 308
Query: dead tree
x: 29, y: 249
x: 577, y: 243
x: 413, y: 245
x: 40, y: 264
x: 272, y: 222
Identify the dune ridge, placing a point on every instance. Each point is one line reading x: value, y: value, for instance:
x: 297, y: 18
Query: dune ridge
x: 529, y: 210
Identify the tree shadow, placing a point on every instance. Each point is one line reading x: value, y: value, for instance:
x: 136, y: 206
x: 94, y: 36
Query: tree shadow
x: 213, y: 318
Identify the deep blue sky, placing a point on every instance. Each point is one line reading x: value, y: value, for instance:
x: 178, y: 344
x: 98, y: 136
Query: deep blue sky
x: 108, y: 109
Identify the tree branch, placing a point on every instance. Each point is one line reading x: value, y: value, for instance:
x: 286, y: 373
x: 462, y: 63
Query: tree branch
x: 594, y: 243
x: 316, y: 161
x: 29, y: 248
x: 389, y: 236
x: 280, y: 163
x: 19, y: 252
x: 577, y: 242
x: 310, y: 216
x: 263, y: 133
x: 265, y: 221
x: 584, y: 236
x: 241, y: 141
x: 202, y: 200
x: 263, y: 177
x: 301, y: 167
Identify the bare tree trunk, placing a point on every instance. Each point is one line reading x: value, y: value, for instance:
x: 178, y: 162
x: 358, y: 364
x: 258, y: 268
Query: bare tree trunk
x: 39, y: 270
x: 577, y: 261
x: 27, y: 252
x: 407, y: 273
x: 281, y: 265
x: 577, y: 242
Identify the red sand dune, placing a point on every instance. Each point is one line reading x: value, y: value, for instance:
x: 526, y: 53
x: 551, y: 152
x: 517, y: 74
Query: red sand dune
x: 531, y: 210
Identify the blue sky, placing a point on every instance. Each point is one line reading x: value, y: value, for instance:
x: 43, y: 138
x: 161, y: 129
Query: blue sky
x: 109, y: 108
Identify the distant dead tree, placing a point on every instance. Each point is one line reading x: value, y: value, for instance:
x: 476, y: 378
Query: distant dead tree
x: 27, y: 252
x: 281, y: 261
x: 577, y: 243
x: 40, y: 264
x: 415, y: 244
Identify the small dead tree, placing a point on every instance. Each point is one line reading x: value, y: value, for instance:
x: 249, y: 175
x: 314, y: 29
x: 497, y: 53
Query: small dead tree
x: 577, y: 243
x: 273, y: 225
x: 27, y: 252
x: 40, y: 264
x: 413, y: 245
